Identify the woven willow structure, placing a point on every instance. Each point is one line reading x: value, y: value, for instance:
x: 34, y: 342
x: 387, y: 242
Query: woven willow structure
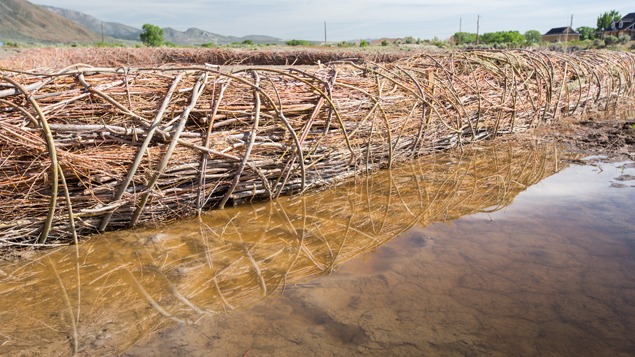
x: 87, y: 149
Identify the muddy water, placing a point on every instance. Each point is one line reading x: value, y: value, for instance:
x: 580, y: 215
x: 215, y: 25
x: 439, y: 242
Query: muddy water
x: 428, y: 258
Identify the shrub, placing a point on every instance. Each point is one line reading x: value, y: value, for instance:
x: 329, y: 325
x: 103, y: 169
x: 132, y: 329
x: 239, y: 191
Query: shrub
x: 624, y: 39
x: 363, y: 43
x: 597, y: 43
x: 298, y: 43
x: 248, y: 42
x: 611, y: 40
x: 384, y: 43
x: 345, y: 44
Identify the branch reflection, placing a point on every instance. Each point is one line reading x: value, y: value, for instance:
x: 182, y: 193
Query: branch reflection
x: 104, y: 295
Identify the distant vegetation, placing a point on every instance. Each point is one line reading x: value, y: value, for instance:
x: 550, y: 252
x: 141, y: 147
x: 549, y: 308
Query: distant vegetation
x: 605, y: 19
x: 499, y: 37
x: 152, y: 36
x: 586, y: 33
x: 299, y: 43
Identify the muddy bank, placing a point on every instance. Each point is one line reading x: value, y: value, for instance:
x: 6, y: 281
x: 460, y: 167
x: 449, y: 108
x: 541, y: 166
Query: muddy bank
x: 610, y: 136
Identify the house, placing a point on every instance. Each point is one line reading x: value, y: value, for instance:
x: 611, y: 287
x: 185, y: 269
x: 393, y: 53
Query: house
x: 624, y: 27
x: 561, y: 34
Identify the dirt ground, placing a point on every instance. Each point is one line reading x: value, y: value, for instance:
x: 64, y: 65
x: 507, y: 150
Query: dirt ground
x: 609, y: 136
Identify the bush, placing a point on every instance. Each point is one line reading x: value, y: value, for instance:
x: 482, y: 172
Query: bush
x: 611, y: 40
x: 363, y: 43
x: 298, y: 43
x: 597, y: 43
x: 384, y: 43
x: 208, y: 45
x: 248, y: 42
x: 345, y: 44
x: 624, y: 39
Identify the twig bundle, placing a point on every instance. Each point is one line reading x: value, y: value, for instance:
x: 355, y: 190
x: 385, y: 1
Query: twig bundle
x: 88, y: 149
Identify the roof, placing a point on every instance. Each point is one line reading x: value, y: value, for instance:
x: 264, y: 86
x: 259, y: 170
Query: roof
x: 629, y: 17
x: 561, y: 31
x: 627, y: 21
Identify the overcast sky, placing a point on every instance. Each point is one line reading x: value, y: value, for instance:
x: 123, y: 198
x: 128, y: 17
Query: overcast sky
x: 347, y: 19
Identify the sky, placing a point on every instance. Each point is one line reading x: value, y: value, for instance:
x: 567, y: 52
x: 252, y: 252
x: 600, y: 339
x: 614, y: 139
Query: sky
x: 347, y: 19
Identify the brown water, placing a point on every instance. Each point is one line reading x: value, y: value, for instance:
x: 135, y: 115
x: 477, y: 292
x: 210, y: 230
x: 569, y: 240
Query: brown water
x: 427, y: 259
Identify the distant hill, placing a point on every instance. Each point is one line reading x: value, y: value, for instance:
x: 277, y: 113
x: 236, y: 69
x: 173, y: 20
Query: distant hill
x: 192, y: 36
x: 22, y: 21
x: 111, y: 29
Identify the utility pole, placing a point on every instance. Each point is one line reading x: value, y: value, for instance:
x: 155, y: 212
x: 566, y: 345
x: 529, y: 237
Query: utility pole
x: 458, y: 40
x: 325, y: 32
x: 102, y: 32
x: 478, y: 22
x: 566, y: 36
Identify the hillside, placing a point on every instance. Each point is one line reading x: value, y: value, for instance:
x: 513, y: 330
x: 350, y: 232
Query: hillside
x: 22, y: 21
x: 111, y: 29
x: 192, y: 36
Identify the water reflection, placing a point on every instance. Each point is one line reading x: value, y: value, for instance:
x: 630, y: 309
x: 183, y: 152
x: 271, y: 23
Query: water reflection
x: 104, y: 295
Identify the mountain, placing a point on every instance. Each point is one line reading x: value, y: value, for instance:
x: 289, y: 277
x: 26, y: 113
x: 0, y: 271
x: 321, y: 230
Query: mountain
x: 112, y: 29
x: 22, y: 21
x: 191, y: 36
x: 194, y: 36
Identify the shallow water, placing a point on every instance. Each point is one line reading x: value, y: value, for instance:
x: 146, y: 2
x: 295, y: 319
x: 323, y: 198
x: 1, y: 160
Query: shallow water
x: 429, y: 258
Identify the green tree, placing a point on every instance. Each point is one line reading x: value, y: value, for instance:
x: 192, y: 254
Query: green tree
x: 152, y: 36
x: 462, y: 38
x: 604, y: 20
x: 586, y: 33
x: 533, y: 36
x: 513, y: 37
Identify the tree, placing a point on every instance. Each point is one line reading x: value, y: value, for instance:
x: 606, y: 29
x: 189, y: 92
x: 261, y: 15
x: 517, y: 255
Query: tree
x: 533, y: 36
x: 513, y: 37
x: 604, y: 20
x: 586, y: 33
x: 152, y: 36
x: 462, y: 38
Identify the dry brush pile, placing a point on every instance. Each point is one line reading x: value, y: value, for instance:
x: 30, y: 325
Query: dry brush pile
x: 88, y: 149
x: 114, y: 57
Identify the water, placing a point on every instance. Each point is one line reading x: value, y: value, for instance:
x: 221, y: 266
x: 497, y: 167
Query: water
x: 500, y: 250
